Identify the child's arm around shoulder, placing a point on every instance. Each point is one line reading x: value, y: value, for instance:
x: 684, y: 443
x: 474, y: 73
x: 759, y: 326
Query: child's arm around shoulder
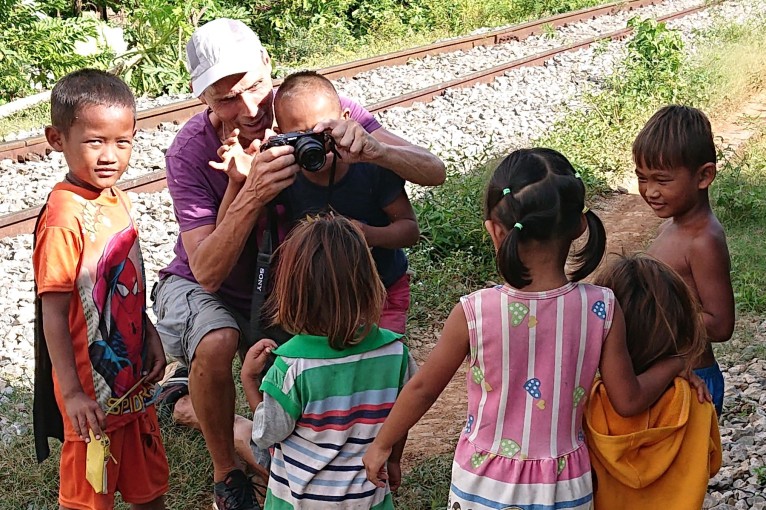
x: 403, y: 231
x: 710, y: 267
x: 628, y: 393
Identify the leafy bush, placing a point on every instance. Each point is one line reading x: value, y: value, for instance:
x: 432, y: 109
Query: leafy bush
x: 36, y: 50
x: 455, y: 254
x: 157, y: 33
x: 655, y: 55
x: 294, y: 31
x: 597, y: 139
x: 738, y: 193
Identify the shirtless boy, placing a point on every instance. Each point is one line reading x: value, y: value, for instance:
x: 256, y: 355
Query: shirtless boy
x: 675, y: 161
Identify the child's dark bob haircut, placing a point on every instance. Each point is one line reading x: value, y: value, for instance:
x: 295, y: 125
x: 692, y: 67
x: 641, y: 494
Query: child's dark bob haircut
x: 538, y: 190
x: 662, y: 317
x: 87, y: 87
x: 675, y: 137
x: 326, y: 282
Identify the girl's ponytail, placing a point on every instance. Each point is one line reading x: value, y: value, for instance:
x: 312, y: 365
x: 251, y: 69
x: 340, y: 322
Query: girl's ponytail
x: 587, y: 259
x: 508, y: 261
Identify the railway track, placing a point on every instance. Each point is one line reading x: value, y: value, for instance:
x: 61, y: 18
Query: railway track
x: 23, y: 221
x: 183, y: 110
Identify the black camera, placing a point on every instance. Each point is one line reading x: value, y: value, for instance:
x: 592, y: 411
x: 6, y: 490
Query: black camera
x: 310, y: 147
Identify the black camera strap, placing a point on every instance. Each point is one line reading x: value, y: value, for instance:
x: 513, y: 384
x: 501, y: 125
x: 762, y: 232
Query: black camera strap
x: 331, y: 184
x: 262, y: 269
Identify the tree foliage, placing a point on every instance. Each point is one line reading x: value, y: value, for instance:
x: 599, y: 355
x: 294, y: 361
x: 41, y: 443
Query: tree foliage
x: 35, y: 49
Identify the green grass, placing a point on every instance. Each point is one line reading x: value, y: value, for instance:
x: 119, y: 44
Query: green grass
x: 426, y: 486
x: 739, y: 197
x: 25, y: 484
x: 28, y: 485
x: 739, y: 200
x: 34, y: 117
x: 454, y: 256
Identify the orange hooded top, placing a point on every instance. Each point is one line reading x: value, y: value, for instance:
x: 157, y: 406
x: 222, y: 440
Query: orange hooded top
x: 661, y: 458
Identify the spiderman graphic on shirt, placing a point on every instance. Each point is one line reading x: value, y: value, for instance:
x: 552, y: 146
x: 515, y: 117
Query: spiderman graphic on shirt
x: 119, y: 297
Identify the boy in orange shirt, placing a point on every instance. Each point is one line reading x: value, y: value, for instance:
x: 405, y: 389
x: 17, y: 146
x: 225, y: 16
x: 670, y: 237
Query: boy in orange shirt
x: 675, y: 161
x: 92, y: 324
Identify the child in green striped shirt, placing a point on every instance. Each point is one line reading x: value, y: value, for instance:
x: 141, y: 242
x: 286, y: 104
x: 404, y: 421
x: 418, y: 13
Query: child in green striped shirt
x: 334, y: 383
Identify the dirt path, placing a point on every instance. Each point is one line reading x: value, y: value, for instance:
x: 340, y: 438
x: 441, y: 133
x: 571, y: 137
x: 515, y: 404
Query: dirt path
x: 630, y: 226
x: 742, y: 126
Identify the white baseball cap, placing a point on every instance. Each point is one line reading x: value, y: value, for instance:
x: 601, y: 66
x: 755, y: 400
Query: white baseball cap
x: 220, y: 48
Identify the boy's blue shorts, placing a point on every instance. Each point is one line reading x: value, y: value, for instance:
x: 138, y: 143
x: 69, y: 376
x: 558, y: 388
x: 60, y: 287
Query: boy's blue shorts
x: 714, y: 379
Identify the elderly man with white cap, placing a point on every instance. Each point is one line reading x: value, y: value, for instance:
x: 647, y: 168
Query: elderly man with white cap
x: 203, y: 300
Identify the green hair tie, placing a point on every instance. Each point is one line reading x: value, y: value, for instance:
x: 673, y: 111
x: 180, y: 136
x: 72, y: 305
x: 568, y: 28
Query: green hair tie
x: 518, y: 226
x: 506, y: 191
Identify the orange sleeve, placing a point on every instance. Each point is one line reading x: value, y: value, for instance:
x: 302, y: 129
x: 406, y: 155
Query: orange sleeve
x: 56, y: 259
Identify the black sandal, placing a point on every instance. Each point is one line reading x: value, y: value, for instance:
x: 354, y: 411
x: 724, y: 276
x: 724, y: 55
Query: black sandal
x: 171, y: 390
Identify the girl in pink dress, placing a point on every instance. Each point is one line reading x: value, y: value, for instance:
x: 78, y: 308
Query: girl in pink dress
x: 533, y: 347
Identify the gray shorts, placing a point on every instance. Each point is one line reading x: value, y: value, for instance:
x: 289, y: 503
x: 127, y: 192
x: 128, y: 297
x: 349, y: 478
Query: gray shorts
x: 186, y: 313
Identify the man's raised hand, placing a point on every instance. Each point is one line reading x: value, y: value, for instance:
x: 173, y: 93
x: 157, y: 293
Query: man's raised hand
x: 352, y: 141
x: 236, y: 161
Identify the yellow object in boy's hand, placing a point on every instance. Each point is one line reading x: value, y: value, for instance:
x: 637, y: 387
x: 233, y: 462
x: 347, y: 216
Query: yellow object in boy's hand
x: 96, y: 457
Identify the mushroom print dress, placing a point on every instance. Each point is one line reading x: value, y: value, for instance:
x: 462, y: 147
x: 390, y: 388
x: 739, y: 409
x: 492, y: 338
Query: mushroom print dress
x: 533, y: 358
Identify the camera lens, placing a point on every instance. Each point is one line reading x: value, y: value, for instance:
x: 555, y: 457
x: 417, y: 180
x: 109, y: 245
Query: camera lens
x: 310, y: 153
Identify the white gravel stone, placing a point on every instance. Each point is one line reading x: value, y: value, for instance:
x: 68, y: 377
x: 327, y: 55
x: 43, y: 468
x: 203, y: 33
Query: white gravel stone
x: 379, y: 84
x: 142, y: 103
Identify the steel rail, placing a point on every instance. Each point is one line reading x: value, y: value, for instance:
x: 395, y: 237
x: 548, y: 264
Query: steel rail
x: 23, y: 221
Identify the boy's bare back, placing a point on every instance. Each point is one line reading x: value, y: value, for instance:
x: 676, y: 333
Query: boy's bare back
x: 696, y: 249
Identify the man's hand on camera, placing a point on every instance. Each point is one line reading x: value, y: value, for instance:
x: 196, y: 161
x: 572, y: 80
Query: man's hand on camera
x: 352, y: 141
x: 272, y: 170
x: 235, y: 160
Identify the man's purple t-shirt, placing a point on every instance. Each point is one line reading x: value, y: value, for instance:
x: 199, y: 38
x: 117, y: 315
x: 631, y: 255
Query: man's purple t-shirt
x: 197, y: 191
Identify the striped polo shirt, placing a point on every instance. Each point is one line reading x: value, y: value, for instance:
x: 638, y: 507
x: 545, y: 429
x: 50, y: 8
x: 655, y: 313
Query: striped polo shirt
x: 339, y: 399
